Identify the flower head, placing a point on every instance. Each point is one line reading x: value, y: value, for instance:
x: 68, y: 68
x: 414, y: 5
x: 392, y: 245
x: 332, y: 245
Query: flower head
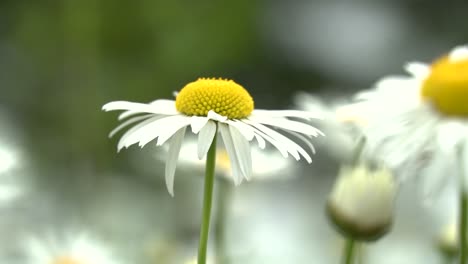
x: 79, y: 249
x: 418, y: 124
x: 361, y: 202
x: 209, y: 106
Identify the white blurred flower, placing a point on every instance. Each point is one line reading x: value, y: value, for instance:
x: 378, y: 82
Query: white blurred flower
x: 417, y: 124
x: 10, y: 184
x: 340, y: 127
x: 209, y: 106
x: 74, y: 249
x: 361, y: 204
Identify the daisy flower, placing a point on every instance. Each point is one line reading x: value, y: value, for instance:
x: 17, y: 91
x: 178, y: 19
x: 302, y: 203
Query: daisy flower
x: 79, y: 249
x: 417, y: 119
x: 419, y: 124
x: 209, y: 106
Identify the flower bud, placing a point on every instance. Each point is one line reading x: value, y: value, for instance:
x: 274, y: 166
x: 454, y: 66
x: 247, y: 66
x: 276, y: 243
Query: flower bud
x: 447, y: 241
x: 361, y: 202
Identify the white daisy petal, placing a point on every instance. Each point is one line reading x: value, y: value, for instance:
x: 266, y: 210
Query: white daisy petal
x: 459, y: 53
x: 286, y: 113
x: 164, y: 107
x: 197, y: 123
x: 261, y: 142
x: 303, y: 139
x: 418, y: 69
x: 242, y: 148
x: 282, y: 149
x: 172, y: 124
x: 128, y: 122
x: 205, y: 138
x: 135, y: 107
x: 288, y: 125
x: 216, y: 117
x: 128, y: 139
x: 246, y: 130
x: 230, y: 148
x: 293, y: 148
x: 163, y: 128
x: 172, y: 155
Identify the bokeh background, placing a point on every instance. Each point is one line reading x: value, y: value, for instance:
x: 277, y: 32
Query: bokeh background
x: 60, y: 61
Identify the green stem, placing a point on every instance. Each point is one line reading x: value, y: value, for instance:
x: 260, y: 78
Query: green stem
x: 348, y: 253
x: 463, y: 207
x: 463, y: 225
x: 358, y: 149
x: 207, y: 201
x: 448, y: 260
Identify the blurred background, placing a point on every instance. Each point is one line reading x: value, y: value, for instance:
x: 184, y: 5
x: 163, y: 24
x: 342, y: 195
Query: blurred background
x: 60, y: 61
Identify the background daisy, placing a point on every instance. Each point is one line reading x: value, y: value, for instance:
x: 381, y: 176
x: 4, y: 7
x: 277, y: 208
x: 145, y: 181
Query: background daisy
x: 419, y: 125
x: 79, y: 248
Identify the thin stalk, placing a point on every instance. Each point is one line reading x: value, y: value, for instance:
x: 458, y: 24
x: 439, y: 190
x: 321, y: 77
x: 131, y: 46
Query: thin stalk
x: 358, y: 149
x: 463, y: 206
x: 207, y: 202
x: 348, y: 253
x: 463, y: 226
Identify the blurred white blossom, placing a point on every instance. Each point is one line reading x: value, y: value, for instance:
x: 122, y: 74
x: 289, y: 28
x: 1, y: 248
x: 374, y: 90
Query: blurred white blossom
x: 418, y: 124
x: 76, y: 248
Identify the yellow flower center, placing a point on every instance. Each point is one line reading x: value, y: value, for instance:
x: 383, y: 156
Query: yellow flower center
x: 65, y: 260
x: 225, y: 97
x: 447, y: 86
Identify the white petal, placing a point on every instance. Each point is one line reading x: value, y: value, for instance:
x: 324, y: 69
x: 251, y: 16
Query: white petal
x: 172, y: 156
x: 261, y: 142
x: 283, y: 150
x: 303, y: 139
x: 288, y: 125
x: 163, y: 106
x: 290, y: 145
x: 171, y: 124
x: 286, y: 113
x: 242, y: 148
x: 417, y: 69
x: 163, y: 128
x: 205, y: 138
x: 127, y: 139
x: 216, y: 117
x: 459, y: 53
x: 230, y: 148
x: 128, y: 122
x: 197, y: 123
x: 246, y: 130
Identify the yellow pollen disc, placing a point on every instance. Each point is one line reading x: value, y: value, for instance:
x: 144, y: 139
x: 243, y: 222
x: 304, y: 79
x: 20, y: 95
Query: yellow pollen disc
x: 66, y: 260
x: 447, y: 86
x: 225, y: 97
